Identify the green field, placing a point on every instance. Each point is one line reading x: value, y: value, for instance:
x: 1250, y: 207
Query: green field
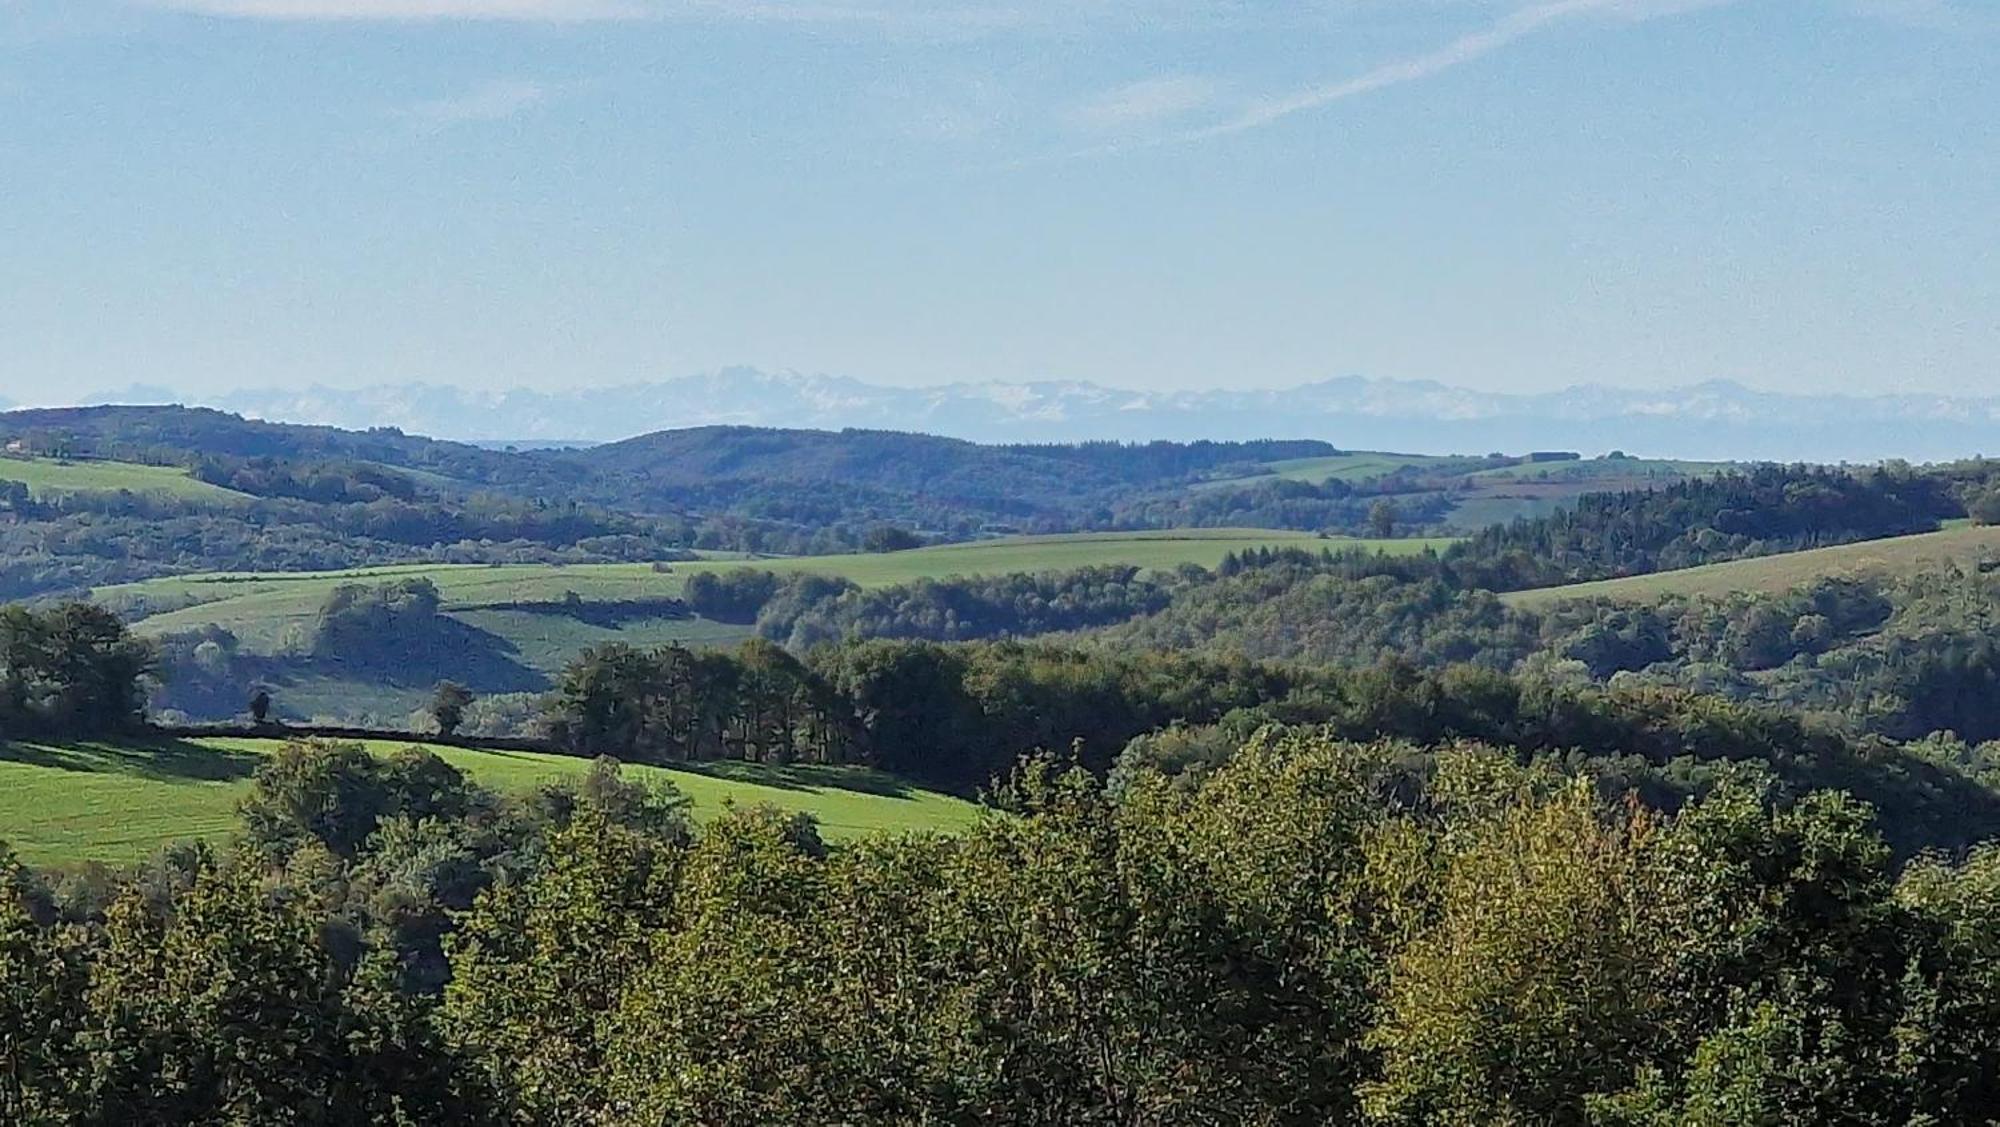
x: 1358, y: 465
x: 262, y: 609
x: 1966, y: 546
x: 117, y: 804
x: 1612, y: 472
x: 48, y: 478
x: 1532, y: 490
x: 1483, y: 497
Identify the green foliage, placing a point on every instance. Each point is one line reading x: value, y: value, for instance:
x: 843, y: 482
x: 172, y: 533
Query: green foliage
x: 44, y: 972
x: 223, y: 1011
x: 358, y: 622
x: 1529, y: 987
x: 889, y: 538
x: 1300, y: 613
x: 731, y: 596
x: 1766, y: 510
x: 1315, y: 931
x: 539, y: 965
x: 336, y: 795
x: 1984, y: 506
x: 71, y: 670
x: 760, y: 704
x: 448, y: 704
x: 808, y: 611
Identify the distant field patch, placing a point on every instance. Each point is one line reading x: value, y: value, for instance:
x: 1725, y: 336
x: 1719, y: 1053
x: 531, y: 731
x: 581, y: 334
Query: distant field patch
x: 1613, y: 473
x: 263, y: 609
x: 65, y: 804
x: 1483, y: 510
x: 508, y: 628
x: 1359, y: 465
x: 47, y: 478
x: 1532, y: 490
x: 1965, y: 546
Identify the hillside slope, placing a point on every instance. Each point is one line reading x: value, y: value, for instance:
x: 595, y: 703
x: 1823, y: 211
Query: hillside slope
x: 50, y: 479
x: 117, y: 803
x: 1966, y: 546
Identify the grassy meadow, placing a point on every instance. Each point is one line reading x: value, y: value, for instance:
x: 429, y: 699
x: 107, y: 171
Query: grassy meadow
x: 1963, y: 545
x: 48, y: 478
x: 74, y: 803
x: 1497, y: 495
x: 1357, y: 465
x: 1615, y: 473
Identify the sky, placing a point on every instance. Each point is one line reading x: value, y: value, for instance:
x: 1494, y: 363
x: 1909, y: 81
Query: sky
x: 1509, y: 195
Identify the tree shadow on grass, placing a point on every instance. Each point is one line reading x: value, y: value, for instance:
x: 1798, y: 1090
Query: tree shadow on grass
x: 442, y: 649
x: 159, y: 760
x: 800, y: 777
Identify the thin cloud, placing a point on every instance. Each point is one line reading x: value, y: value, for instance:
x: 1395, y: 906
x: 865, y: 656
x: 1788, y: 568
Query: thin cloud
x: 1515, y: 26
x: 491, y: 101
x: 1145, y: 102
x: 949, y: 19
x: 537, y: 11
x: 885, y: 13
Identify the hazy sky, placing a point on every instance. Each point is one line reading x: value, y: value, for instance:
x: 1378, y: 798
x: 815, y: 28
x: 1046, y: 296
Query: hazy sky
x: 1507, y: 195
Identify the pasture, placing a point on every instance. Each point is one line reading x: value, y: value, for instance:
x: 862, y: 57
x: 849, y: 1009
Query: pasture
x: 1486, y: 496
x: 49, y: 478
x: 1605, y: 473
x: 1965, y: 546
x: 1357, y: 465
x: 74, y: 803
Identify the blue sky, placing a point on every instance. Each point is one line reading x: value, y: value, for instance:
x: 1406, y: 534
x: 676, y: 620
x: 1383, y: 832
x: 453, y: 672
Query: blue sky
x: 209, y: 194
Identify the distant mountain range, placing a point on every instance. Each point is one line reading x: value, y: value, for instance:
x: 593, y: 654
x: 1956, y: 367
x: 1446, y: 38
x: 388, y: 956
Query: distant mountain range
x: 1706, y: 420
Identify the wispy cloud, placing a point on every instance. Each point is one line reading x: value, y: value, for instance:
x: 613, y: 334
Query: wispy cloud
x: 545, y: 11
x: 490, y: 101
x: 968, y: 15
x: 1145, y: 102
x: 1516, y: 25
x: 927, y: 19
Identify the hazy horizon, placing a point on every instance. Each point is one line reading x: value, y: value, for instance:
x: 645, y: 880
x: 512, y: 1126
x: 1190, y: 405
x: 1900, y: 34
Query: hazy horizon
x: 147, y: 392
x: 1718, y: 420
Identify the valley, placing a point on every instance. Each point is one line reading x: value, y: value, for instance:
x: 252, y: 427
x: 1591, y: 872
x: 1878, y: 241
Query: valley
x: 800, y: 720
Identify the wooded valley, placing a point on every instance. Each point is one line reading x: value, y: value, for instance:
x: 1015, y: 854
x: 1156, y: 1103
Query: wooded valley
x: 1295, y: 802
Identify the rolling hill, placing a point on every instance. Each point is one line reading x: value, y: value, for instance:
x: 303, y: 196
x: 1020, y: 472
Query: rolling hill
x: 70, y: 803
x: 871, y: 474
x: 512, y: 628
x: 1471, y: 493
x: 1965, y: 546
x: 50, y: 478
x: 260, y: 606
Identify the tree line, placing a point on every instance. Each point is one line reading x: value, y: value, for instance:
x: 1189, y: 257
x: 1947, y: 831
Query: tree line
x: 71, y: 670
x: 957, y: 716
x: 1763, y: 511
x: 1319, y: 931
x: 802, y: 611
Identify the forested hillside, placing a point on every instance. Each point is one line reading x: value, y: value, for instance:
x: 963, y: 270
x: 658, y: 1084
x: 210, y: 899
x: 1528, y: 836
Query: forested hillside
x: 100, y: 495
x: 1309, y: 835
x: 289, y: 498
x: 1320, y: 931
